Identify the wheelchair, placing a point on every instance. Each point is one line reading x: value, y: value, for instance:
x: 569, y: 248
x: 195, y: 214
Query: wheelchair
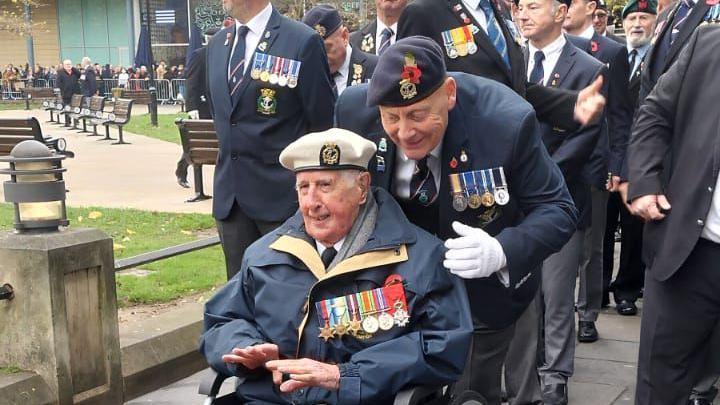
x: 422, y: 395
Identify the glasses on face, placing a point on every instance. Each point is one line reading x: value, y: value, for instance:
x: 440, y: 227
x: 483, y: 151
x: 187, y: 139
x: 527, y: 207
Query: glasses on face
x: 600, y: 16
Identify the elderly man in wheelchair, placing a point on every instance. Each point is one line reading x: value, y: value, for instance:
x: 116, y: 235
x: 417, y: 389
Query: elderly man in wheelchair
x: 347, y: 302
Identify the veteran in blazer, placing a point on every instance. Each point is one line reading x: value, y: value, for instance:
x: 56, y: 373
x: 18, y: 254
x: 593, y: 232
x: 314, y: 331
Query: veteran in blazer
x: 268, y: 84
x: 348, y: 65
x: 678, y: 198
x: 377, y: 35
x: 463, y: 156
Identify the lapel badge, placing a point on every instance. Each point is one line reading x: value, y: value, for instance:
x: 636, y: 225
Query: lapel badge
x: 453, y: 163
x: 267, y: 34
x: 330, y: 154
x: 266, y: 103
x: 555, y: 80
x: 410, y: 77
x: 262, y: 46
x: 463, y: 156
x: 380, y: 165
x: 382, y: 145
x: 368, y: 43
x: 593, y: 46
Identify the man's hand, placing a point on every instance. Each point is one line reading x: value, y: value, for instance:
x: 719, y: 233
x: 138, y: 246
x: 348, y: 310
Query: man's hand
x: 590, y: 103
x: 613, y: 184
x: 304, y: 373
x: 475, y: 254
x: 253, y: 357
x: 194, y: 114
x: 623, y: 191
x: 649, y: 207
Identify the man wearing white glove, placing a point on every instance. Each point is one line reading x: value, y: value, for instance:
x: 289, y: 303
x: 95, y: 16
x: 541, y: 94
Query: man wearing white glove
x: 475, y: 254
x: 463, y: 157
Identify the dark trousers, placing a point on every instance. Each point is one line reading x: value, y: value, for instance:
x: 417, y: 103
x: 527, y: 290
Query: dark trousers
x: 631, y: 272
x: 483, y: 370
x: 237, y: 232
x: 181, y: 170
x: 679, y: 317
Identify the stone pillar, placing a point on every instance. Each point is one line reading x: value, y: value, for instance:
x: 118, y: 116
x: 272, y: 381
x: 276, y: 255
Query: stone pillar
x: 62, y: 323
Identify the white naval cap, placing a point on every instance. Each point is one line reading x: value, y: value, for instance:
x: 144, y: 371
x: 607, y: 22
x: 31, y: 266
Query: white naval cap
x: 334, y: 149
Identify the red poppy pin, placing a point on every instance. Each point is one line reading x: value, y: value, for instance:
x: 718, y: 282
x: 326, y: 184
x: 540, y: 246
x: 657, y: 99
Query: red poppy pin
x: 453, y: 163
x: 642, y: 5
x: 593, y: 46
x: 410, y: 77
x: 712, y: 2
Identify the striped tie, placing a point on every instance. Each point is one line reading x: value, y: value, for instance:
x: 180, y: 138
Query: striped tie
x: 422, y: 184
x: 680, y: 17
x: 385, y: 36
x: 494, y: 32
x: 237, y: 63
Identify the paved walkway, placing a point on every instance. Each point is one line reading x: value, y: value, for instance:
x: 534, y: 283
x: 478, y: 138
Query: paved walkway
x: 140, y: 175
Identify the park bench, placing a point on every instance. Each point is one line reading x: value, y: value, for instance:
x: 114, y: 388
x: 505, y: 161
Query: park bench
x: 76, y: 103
x: 52, y: 107
x: 138, y: 96
x: 200, y: 147
x: 94, y: 106
x: 120, y: 115
x: 37, y: 93
x: 15, y: 130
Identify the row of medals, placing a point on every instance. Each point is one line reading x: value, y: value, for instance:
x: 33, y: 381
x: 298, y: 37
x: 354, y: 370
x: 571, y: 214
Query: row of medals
x: 370, y: 324
x: 279, y: 78
x: 464, y: 199
x: 459, y: 49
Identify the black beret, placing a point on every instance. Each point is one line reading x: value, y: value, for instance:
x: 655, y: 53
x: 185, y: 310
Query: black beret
x: 408, y: 71
x: 324, y: 19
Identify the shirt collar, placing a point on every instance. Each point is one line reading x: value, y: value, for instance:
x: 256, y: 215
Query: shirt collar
x: 381, y: 26
x: 435, y: 153
x: 257, y: 24
x: 641, y: 50
x: 471, y: 4
x: 345, y: 68
x: 321, y: 248
x: 553, y: 47
x: 588, y: 33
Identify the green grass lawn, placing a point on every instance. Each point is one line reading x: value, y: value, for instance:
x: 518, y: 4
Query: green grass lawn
x: 135, y: 232
x: 165, y: 131
x: 18, y: 105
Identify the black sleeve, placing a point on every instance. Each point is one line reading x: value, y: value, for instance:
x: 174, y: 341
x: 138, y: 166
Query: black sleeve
x: 619, y: 110
x: 553, y: 106
x: 195, y: 80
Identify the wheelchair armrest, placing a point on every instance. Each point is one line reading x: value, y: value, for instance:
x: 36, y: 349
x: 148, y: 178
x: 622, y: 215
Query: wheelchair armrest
x: 414, y: 395
x: 210, y: 385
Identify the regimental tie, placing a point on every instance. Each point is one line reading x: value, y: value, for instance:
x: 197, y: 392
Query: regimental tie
x: 538, y: 73
x: 680, y: 17
x: 385, y: 36
x: 237, y: 64
x: 328, y: 255
x: 633, y: 59
x: 422, y: 184
x: 493, y: 30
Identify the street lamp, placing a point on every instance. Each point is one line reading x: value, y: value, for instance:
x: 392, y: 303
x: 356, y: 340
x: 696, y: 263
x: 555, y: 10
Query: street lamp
x: 36, y: 187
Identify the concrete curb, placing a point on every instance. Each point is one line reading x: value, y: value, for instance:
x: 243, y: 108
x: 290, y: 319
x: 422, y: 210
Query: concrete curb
x: 24, y: 389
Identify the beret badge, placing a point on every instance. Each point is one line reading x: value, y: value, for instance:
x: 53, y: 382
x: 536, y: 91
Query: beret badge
x: 320, y: 30
x: 330, y: 154
x: 410, y: 77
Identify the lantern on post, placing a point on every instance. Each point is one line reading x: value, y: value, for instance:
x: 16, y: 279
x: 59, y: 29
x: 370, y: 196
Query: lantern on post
x: 36, y: 187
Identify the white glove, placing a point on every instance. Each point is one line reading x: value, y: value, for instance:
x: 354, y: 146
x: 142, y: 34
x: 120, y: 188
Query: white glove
x: 475, y: 254
x: 194, y: 114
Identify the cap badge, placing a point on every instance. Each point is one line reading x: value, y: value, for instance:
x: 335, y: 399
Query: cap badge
x: 330, y: 154
x: 320, y: 30
x: 642, y: 5
x: 410, y: 77
x: 267, y: 104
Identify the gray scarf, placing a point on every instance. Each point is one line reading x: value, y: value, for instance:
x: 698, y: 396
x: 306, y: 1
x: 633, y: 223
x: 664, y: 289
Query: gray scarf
x: 360, y: 232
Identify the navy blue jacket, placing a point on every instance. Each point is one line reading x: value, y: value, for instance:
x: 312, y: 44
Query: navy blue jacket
x: 495, y: 127
x: 282, y: 276
x: 574, y: 70
x: 611, y: 149
x: 88, y: 81
x: 248, y: 172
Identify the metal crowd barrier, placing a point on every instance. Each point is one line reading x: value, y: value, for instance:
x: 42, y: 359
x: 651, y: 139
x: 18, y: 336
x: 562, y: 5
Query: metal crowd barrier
x: 178, y: 90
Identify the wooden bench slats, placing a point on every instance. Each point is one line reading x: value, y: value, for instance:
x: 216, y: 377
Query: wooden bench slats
x: 14, y: 131
x: 8, y: 140
x: 196, y: 143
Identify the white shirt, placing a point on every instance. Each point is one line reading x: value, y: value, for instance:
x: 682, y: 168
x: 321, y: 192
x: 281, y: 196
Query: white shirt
x: 588, y: 33
x: 552, y: 53
x: 256, y: 27
x: 344, y: 71
x: 378, y: 34
x: 321, y: 248
x: 711, y: 231
x: 405, y: 167
x: 476, y: 12
x: 638, y: 59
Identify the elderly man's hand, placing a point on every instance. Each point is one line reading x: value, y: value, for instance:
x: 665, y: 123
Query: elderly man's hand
x: 304, y: 373
x: 650, y: 207
x: 253, y: 357
x: 590, y: 103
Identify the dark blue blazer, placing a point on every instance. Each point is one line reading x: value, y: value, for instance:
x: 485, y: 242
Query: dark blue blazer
x: 495, y: 127
x: 89, y: 84
x: 574, y: 70
x: 611, y: 149
x: 248, y: 172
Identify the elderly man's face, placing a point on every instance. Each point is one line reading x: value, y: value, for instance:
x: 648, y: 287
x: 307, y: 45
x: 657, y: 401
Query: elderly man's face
x: 330, y: 201
x: 418, y: 128
x: 638, y: 28
x: 391, y: 6
x: 539, y: 18
x: 67, y: 65
x: 336, y: 48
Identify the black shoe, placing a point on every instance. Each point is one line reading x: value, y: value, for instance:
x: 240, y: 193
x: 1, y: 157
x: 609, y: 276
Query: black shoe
x: 587, y: 333
x: 183, y: 183
x: 555, y: 394
x: 625, y: 307
x: 699, y: 401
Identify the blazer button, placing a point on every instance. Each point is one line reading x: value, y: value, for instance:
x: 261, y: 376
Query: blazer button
x: 700, y: 222
x: 710, y: 189
x: 234, y: 156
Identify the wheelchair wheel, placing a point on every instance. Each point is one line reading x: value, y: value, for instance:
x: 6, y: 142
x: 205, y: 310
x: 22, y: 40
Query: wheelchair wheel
x: 468, y: 398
